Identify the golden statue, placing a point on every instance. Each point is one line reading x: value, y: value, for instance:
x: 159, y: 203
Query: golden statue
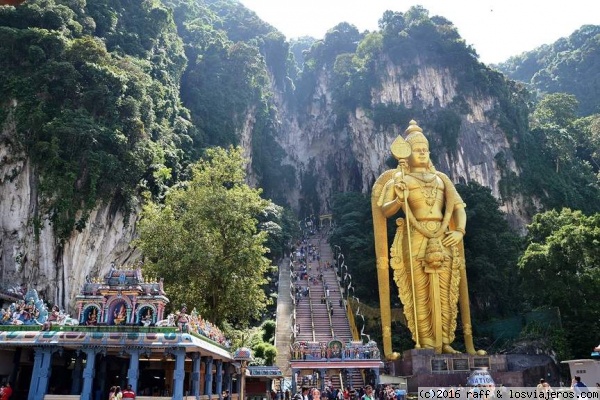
x: 428, y: 242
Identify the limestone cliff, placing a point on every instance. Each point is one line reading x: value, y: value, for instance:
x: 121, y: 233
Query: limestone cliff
x: 352, y: 156
x: 30, y: 252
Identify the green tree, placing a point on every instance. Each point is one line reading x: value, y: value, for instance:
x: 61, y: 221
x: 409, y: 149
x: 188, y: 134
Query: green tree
x: 569, y: 65
x: 205, y: 241
x: 560, y: 269
x: 298, y: 47
x: 588, y: 150
x: 492, y: 250
x: 354, y: 234
x: 269, y: 328
x: 270, y: 354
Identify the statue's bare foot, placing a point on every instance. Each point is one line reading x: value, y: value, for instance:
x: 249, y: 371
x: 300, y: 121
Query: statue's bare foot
x: 476, y: 352
x: 447, y: 349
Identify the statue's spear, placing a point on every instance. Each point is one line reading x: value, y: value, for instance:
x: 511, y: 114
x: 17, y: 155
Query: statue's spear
x: 401, y: 150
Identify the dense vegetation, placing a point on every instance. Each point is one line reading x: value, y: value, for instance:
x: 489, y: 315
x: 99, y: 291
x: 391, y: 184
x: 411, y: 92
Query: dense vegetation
x: 569, y: 65
x: 230, y: 53
x: 95, y: 101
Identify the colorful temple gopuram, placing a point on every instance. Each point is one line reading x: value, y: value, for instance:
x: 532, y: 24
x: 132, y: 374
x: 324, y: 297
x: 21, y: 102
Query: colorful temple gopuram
x: 121, y: 336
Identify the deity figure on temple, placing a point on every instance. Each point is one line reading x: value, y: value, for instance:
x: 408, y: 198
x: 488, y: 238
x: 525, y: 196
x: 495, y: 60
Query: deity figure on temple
x: 427, y: 253
x: 5, y: 316
x: 52, y: 318
x: 120, y: 316
x: 182, y: 319
x: 147, y: 318
x: 92, y: 318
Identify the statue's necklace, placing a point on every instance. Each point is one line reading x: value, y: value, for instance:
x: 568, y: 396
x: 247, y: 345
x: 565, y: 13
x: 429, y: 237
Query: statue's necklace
x: 429, y: 190
x: 425, y: 177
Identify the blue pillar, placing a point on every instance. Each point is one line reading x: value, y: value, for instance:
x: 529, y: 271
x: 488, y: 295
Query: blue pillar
x: 322, y: 377
x: 219, y: 378
x: 196, y: 375
x: 37, y: 363
x: 134, y: 369
x: 294, y: 381
x: 208, y: 372
x: 229, y: 378
x: 16, y: 366
x: 88, y: 374
x: 101, y: 375
x: 42, y: 368
x: 179, y: 374
x: 76, y: 375
x: 123, y: 376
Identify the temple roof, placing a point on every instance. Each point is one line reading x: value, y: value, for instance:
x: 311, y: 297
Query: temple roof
x: 123, y: 279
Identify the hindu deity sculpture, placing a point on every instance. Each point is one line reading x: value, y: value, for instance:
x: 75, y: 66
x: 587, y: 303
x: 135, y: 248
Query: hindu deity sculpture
x: 120, y: 315
x: 427, y: 254
x: 92, y: 318
x: 182, y: 319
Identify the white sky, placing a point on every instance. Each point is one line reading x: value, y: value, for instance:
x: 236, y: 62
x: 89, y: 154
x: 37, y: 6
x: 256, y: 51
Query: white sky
x: 497, y: 29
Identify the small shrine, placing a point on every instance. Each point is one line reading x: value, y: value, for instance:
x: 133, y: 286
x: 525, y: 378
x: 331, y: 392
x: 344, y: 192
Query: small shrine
x: 122, y: 297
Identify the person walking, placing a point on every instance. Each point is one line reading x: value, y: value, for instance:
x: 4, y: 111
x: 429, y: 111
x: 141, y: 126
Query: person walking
x: 128, y: 393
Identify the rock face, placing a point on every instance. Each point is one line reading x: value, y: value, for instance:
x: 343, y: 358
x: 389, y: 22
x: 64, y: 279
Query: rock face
x: 337, y: 157
x: 30, y: 252
x: 353, y: 156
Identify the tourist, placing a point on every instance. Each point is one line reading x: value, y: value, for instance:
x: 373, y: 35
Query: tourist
x: 128, y: 393
x: 368, y: 393
x: 315, y: 394
x: 305, y: 392
x: 543, y: 386
x: 111, y: 393
x: 6, y: 392
x: 401, y: 394
x: 118, y: 393
x: 578, y: 387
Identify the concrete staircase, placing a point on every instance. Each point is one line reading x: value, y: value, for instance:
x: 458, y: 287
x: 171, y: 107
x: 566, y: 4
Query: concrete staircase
x: 319, y: 315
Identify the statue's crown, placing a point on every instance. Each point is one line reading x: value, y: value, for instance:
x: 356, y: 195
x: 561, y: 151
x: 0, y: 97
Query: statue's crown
x: 414, y: 134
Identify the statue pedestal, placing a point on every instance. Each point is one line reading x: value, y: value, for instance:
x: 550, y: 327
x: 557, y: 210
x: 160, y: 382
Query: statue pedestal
x: 424, y: 368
